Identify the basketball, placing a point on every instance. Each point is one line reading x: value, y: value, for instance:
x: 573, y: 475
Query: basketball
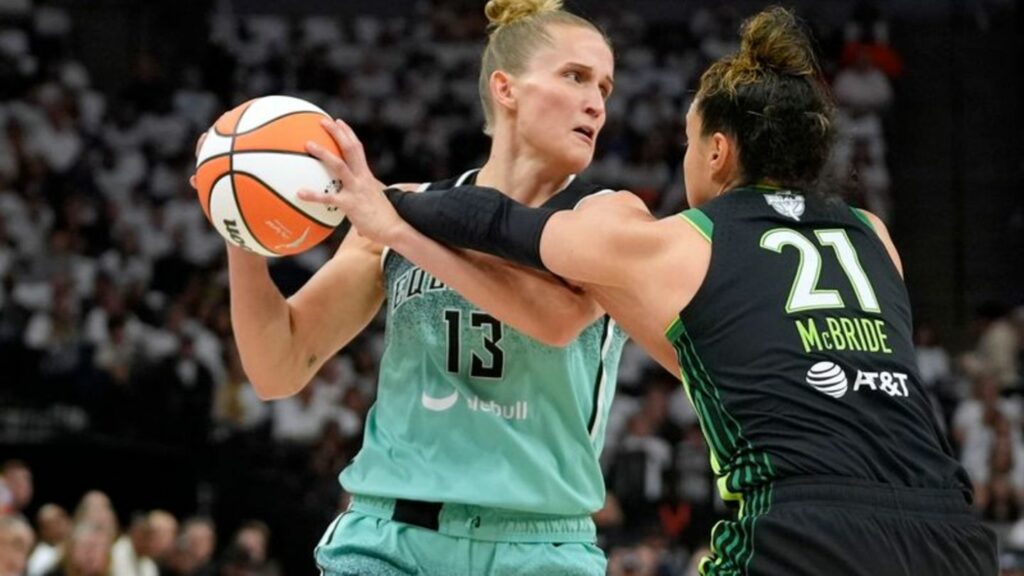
x: 249, y: 171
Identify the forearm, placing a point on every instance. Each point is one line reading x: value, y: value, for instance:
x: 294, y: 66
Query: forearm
x: 477, y: 218
x: 592, y: 244
x: 261, y: 321
x: 534, y: 303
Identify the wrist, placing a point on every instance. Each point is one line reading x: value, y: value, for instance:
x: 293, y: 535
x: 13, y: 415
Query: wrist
x: 241, y: 257
x: 400, y: 236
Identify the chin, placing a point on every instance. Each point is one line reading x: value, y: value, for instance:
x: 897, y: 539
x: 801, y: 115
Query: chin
x: 576, y: 163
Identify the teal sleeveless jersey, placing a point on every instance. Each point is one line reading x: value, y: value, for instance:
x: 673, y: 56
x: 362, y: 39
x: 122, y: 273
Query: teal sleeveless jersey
x: 470, y: 411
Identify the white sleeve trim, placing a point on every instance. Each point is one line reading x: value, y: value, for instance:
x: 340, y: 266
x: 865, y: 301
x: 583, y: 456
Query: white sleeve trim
x: 594, y: 195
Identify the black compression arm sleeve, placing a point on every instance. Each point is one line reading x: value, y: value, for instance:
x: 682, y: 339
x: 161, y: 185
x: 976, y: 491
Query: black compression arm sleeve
x: 477, y: 218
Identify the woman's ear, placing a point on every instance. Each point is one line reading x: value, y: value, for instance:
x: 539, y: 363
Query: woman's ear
x: 723, y: 157
x: 502, y: 86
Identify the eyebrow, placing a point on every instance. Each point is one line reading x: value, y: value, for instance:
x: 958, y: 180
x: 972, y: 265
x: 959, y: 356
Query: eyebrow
x: 590, y: 69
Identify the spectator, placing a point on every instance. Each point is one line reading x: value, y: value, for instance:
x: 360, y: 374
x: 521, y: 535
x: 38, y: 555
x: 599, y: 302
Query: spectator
x: 236, y: 407
x: 16, y: 537
x: 193, y: 555
x: 994, y: 458
x: 55, y: 336
x: 642, y: 462
x: 932, y: 359
x: 997, y: 348
x: 1003, y: 498
x: 15, y: 487
x: 96, y: 511
x: 609, y: 520
x: 253, y: 538
x: 163, y: 532
x: 87, y: 553
x: 862, y: 86
x: 299, y: 420
x: 974, y: 414
x: 54, y: 526
x: 129, y: 555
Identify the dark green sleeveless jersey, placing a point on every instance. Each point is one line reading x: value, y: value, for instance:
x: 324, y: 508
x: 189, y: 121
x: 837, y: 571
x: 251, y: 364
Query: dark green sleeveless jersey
x: 796, y: 350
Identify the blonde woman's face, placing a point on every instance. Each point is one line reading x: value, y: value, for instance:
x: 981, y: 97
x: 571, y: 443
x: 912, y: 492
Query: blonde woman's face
x: 560, y: 97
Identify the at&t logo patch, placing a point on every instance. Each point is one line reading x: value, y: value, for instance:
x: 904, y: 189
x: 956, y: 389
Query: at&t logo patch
x: 828, y: 378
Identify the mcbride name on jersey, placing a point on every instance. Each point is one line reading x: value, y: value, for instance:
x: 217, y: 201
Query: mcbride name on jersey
x: 471, y: 411
x: 797, y: 351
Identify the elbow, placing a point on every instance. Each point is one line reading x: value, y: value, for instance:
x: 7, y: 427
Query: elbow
x: 264, y: 391
x: 563, y: 329
x: 270, y: 385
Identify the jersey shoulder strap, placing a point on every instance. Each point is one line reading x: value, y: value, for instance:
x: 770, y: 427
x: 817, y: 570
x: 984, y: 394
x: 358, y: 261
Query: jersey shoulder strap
x: 572, y: 194
x: 565, y: 199
x: 700, y: 221
x: 467, y: 177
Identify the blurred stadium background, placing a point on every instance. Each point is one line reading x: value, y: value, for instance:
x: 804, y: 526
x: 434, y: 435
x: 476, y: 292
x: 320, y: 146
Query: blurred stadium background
x: 118, y: 372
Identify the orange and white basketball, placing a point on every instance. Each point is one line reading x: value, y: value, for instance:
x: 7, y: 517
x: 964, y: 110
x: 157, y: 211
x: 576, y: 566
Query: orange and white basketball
x: 250, y: 169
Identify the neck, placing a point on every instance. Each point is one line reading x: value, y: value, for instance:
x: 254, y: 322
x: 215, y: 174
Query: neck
x: 520, y: 173
x: 728, y: 184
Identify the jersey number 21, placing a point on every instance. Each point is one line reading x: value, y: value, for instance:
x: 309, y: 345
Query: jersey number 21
x: 805, y: 294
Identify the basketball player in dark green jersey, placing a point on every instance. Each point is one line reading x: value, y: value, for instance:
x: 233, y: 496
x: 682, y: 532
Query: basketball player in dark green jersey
x: 784, y: 311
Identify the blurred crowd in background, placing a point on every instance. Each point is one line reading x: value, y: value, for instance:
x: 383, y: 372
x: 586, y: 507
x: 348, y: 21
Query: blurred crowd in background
x: 114, y: 317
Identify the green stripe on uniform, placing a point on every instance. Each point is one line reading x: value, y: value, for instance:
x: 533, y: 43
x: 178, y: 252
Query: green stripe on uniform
x: 739, y: 466
x: 864, y: 218
x: 700, y: 222
x: 673, y: 330
x: 732, y: 541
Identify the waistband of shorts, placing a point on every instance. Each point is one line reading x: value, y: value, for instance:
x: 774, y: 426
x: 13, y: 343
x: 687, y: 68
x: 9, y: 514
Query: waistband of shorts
x: 866, y: 494
x: 480, y: 523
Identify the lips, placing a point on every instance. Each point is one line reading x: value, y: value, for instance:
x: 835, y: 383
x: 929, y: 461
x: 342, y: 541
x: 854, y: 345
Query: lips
x: 585, y: 131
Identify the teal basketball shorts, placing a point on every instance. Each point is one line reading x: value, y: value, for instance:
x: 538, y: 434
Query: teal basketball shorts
x: 385, y: 537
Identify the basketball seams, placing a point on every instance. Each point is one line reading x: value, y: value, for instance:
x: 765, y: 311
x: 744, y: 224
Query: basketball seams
x: 270, y: 189
x: 274, y: 119
x: 209, y: 194
x: 241, y: 214
x: 238, y: 121
x: 254, y: 151
x: 234, y: 184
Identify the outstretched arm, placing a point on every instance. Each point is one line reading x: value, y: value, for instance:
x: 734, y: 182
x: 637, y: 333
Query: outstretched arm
x: 610, y: 244
x: 600, y: 242
x: 538, y: 305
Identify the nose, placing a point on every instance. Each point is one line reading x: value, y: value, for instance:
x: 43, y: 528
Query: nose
x: 594, y: 106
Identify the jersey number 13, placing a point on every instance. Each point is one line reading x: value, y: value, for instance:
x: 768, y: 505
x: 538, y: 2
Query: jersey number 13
x: 492, y: 367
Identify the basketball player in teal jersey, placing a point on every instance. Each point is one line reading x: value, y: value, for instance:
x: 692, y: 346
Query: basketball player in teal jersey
x: 784, y: 311
x: 480, y: 455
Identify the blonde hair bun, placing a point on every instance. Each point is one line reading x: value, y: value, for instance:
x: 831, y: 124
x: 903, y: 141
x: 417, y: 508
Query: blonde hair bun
x: 504, y: 12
